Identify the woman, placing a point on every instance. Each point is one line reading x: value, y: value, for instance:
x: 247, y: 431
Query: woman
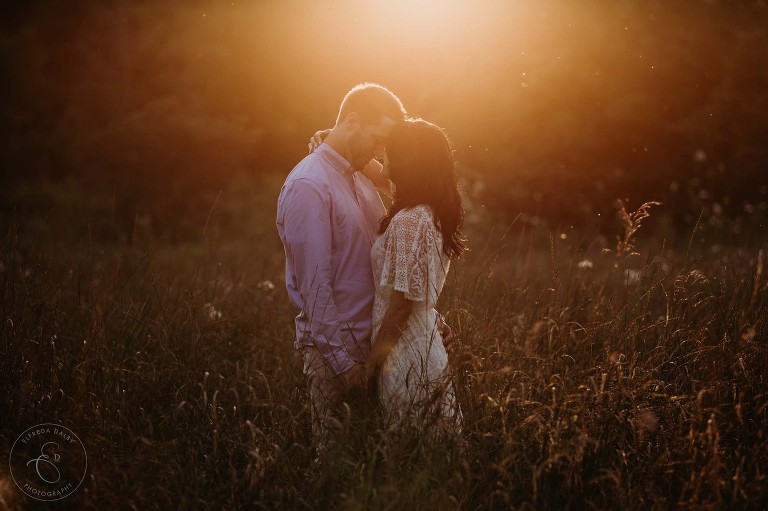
x: 420, y: 234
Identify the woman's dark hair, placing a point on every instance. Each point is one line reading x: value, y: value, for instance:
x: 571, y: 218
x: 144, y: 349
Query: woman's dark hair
x: 423, y: 170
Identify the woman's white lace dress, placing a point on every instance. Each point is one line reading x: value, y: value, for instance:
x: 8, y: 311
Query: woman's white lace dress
x: 414, y: 380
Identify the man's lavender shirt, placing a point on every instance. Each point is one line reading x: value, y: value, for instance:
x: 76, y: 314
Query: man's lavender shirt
x: 328, y: 219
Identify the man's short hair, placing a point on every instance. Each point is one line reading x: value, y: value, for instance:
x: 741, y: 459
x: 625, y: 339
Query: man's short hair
x: 371, y: 101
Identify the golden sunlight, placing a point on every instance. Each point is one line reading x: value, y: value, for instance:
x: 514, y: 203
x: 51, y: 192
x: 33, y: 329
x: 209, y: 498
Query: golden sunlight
x: 421, y: 20
x: 165, y: 221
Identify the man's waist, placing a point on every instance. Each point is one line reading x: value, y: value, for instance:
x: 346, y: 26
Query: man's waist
x: 345, y: 333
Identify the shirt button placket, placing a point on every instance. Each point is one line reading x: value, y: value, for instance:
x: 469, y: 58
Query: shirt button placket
x: 353, y: 182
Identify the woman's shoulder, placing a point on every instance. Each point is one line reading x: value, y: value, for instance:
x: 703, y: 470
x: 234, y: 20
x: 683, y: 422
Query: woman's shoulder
x: 417, y: 221
x: 414, y: 214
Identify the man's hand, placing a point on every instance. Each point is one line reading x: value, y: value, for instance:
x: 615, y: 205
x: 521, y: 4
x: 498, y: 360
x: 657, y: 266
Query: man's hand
x: 445, y: 332
x: 352, y: 380
x: 317, y: 139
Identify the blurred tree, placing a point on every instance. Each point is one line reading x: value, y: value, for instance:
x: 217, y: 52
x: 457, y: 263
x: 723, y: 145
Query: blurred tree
x: 557, y: 107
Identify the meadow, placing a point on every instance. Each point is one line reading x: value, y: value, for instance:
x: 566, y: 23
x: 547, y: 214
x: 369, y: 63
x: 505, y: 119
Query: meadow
x: 593, y: 372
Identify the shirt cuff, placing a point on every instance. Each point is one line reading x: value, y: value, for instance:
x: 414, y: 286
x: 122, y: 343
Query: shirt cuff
x: 335, y: 357
x: 338, y: 365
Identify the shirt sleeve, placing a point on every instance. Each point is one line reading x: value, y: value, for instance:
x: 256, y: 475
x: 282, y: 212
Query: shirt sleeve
x: 308, y: 238
x: 405, y: 266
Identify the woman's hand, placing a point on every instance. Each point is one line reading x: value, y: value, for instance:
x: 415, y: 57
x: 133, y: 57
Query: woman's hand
x: 370, y: 370
x: 317, y: 139
x: 393, y: 324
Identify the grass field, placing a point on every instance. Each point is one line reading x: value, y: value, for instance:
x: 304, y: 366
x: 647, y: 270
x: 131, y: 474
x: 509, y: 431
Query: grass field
x: 591, y: 374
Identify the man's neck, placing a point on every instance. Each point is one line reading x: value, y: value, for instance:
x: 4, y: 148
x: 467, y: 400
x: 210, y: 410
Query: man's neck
x: 338, y: 142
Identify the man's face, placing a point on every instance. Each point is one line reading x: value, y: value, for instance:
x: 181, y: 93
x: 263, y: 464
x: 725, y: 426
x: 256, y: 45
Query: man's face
x: 385, y: 166
x: 368, y: 141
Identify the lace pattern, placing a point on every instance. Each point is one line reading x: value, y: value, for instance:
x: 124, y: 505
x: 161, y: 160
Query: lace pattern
x: 409, y: 258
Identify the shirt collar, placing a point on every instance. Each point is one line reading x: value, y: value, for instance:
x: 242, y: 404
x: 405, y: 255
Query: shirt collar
x: 337, y: 161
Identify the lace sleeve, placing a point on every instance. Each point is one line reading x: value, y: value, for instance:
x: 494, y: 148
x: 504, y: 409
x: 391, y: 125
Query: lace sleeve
x: 406, y: 256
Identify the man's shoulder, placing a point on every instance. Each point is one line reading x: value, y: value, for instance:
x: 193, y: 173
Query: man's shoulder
x: 312, y: 168
x: 308, y: 176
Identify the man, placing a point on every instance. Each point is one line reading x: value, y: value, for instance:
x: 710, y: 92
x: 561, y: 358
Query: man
x: 328, y: 218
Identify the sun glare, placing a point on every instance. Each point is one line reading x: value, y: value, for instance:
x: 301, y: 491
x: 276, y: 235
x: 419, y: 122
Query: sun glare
x: 421, y: 20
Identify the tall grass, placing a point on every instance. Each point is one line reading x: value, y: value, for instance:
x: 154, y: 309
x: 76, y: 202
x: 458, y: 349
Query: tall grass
x: 588, y: 378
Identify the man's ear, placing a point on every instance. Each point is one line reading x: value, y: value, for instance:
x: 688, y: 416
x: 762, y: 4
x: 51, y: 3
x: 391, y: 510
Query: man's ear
x: 352, y: 120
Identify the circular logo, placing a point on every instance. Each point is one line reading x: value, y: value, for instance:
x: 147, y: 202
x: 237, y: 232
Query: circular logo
x: 48, y: 462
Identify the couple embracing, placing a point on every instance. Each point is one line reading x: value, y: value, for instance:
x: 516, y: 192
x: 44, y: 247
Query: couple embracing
x: 366, y: 278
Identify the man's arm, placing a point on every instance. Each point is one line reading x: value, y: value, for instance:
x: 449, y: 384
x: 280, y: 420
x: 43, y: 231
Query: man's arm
x: 307, y: 238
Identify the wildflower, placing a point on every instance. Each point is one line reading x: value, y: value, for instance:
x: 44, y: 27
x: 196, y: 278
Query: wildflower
x: 662, y: 263
x: 586, y: 264
x: 647, y: 419
x: 632, y: 276
x: 211, y: 311
x: 266, y: 285
x: 615, y: 357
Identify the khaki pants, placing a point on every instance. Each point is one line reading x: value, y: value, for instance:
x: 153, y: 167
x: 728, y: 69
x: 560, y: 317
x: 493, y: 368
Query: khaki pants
x: 332, y: 407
